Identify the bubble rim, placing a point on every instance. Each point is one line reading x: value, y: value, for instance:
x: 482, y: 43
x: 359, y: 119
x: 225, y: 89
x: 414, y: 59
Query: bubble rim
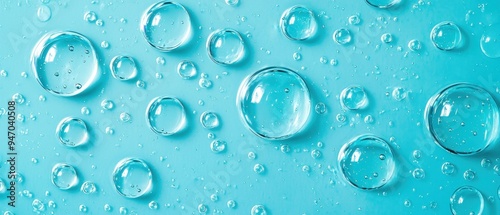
x: 119, y: 166
x: 364, y: 137
x: 393, y: 3
x: 60, y: 165
x: 431, y: 102
x: 244, y: 85
x: 47, y: 39
x: 65, y: 121
x: 220, y: 32
x: 112, y: 65
x: 287, y: 13
x: 146, y: 17
x: 471, y: 189
x: 433, y: 35
x: 153, y: 103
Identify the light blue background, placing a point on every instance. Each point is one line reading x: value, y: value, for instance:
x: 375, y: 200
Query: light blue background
x: 191, y: 171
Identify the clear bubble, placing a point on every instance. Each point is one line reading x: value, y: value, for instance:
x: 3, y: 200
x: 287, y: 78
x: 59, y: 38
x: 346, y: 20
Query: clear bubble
x: 446, y: 36
x: 274, y: 103
x: 132, y: 178
x: 399, y: 93
x: 218, y: 146
x: 448, y: 168
x: 251, y: 155
x: 486, y: 163
x: 38, y: 206
x: 125, y: 117
x: 88, y: 187
x: 298, y: 23
x: 72, y: 132
x: 99, y: 22
x: 342, y: 36
x: 466, y: 200
x: 320, y: 108
x: 258, y: 210
x: 463, y: 119
x: 153, y: 205
x: 418, y: 173
x: 297, y: 56
x: 140, y: 84
x: 107, y: 207
x: 386, y: 38
x: 368, y: 119
x: 490, y: 41
x: 18, y: 98
x: 258, y: 168
x: 414, y: 45
x: 383, y: 3
x: 3, y: 188
x: 225, y: 46
x: 469, y: 175
x: 204, y: 83
x: 90, y: 16
x: 166, y: 115
x: 43, y: 13
x: 83, y: 208
x: 316, y: 154
x: 166, y: 25
x: 64, y: 176
x: 187, y: 69
x: 232, y: 2
x: 104, y: 44
x: 353, y: 98
x: 107, y: 104
x: 202, y: 208
x: 65, y: 63
x: 367, y: 162
x: 354, y: 20
x: 209, y: 120
x: 407, y: 203
x: 231, y: 204
x: 123, y: 67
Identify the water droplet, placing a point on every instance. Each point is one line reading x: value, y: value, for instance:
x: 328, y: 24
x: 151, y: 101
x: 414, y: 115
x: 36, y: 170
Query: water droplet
x: 209, y: 120
x: 88, y: 187
x: 463, y: 103
x: 43, y: 13
x: 353, y: 98
x: 486, y: 163
x: 18, y: 98
x: 72, y: 132
x: 466, y: 200
x: 107, y: 207
x: 399, y: 93
x: 125, y: 117
x: 51, y: 55
x: 160, y: 61
x: 490, y: 41
x: 204, y: 83
x: 85, y: 111
x: 386, y: 38
x: 83, y: 208
x: 274, y: 103
x: 383, y: 3
x: 342, y: 36
x: 258, y: 210
x: 469, y: 175
x: 316, y: 154
x: 418, y: 173
x: 448, y: 168
x: 218, y: 146
x: 297, y: 56
x: 258, y: 168
x: 360, y: 158
x: 417, y: 154
x: 285, y: 148
x: 298, y: 23
x: 166, y: 115
x: 202, y: 208
x: 64, y: 176
x: 446, y: 36
x: 252, y: 155
x: 414, y: 45
x: 90, y: 16
x: 187, y: 69
x: 38, y: 206
x: 368, y: 119
x: 107, y: 104
x: 225, y: 46
x: 354, y: 20
x: 166, y: 25
x: 320, y: 108
x: 123, y: 67
x: 407, y: 203
x: 153, y: 205
x: 231, y: 204
x: 132, y: 178
x: 3, y: 188
x: 99, y: 22
x: 232, y: 2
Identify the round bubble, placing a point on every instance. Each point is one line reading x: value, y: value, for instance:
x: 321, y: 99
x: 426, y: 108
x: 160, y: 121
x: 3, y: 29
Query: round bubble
x: 298, y: 23
x: 446, y: 36
x: 72, y: 132
x: 225, y: 46
x: 166, y: 115
x: 132, y: 178
x: 466, y: 200
x: 383, y: 3
x: 64, y: 176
